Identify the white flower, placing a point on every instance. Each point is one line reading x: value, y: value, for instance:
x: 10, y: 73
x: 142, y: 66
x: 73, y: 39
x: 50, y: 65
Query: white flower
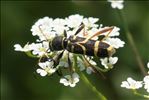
x: 89, y: 70
x: 148, y: 65
x: 47, y: 68
x: 43, y: 28
x: 80, y: 64
x: 40, y: 49
x: 109, y: 62
x: 114, y: 32
x: 59, y: 26
x: 131, y: 84
x: 90, y: 22
x: 115, y: 42
x: 91, y: 32
x: 117, y: 3
x: 26, y: 48
x: 63, y: 64
x: 74, y: 21
x: 59, y: 21
x: 70, y: 80
x: 146, y: 82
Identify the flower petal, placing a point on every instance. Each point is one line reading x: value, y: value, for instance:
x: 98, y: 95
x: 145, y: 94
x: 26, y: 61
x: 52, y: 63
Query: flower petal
x: 41, y: 72
x: 64, y: 81
x: 89, y: 70
x: 113, y: 60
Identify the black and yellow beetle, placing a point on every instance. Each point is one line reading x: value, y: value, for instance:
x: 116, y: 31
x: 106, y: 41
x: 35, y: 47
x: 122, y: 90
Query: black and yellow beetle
x: 85, y: 46
x: 80, y: 45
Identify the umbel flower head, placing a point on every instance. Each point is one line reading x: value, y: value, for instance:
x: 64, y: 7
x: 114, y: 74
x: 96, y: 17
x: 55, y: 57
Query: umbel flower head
x: 133, y: 84
x: 68, y: 45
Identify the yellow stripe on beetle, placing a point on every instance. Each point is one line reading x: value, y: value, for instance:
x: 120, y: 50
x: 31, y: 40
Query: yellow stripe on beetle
x: 111, y: 50
x: 96, y: 46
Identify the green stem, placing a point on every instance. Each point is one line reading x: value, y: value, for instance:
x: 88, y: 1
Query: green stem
x: 141, y: 95
x: 132, y: 43
x: 138, y: 58
x: 93, y: 88
x: 88, y: 83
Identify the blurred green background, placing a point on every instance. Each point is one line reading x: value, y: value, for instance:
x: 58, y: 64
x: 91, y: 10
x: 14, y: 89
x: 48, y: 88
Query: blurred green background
x: 18, y: 78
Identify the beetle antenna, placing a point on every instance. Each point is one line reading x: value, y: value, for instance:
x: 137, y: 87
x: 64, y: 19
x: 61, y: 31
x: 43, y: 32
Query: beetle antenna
x: 42, y: 32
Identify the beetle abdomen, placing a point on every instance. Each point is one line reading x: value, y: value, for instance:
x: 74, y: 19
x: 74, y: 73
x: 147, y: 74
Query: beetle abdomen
x: 90, y: 48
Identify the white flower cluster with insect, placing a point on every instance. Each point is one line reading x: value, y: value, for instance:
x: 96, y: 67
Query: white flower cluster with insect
x: 117, y: 4
x: 51, y: 62
x: 133, y: 84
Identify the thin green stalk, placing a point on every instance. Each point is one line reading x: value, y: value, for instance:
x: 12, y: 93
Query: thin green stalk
x: 88, y: 83
x: 141, y: 95
x: 132, y: 43
x: 93, y: 88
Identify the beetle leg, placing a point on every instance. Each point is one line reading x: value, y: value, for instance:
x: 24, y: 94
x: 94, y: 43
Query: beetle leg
x: 98, y: 33
x: 80, y: 28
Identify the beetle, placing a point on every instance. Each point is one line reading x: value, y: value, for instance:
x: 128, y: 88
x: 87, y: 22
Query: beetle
x: 81, y: 45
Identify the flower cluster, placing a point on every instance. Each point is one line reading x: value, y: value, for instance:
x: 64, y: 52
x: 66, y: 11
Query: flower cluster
x: 117, y: 4
x: 133, y: 84
x: 50, y: 61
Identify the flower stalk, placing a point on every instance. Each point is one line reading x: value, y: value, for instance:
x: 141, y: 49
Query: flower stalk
x: 93, y: 88
x: 131, y: 42
x: 139, y: 94
x: 88, y: 83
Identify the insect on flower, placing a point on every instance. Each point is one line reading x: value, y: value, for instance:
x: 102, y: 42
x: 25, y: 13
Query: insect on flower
x: 80, y: 45
x: 70, y: 43
x: 85, y: 46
